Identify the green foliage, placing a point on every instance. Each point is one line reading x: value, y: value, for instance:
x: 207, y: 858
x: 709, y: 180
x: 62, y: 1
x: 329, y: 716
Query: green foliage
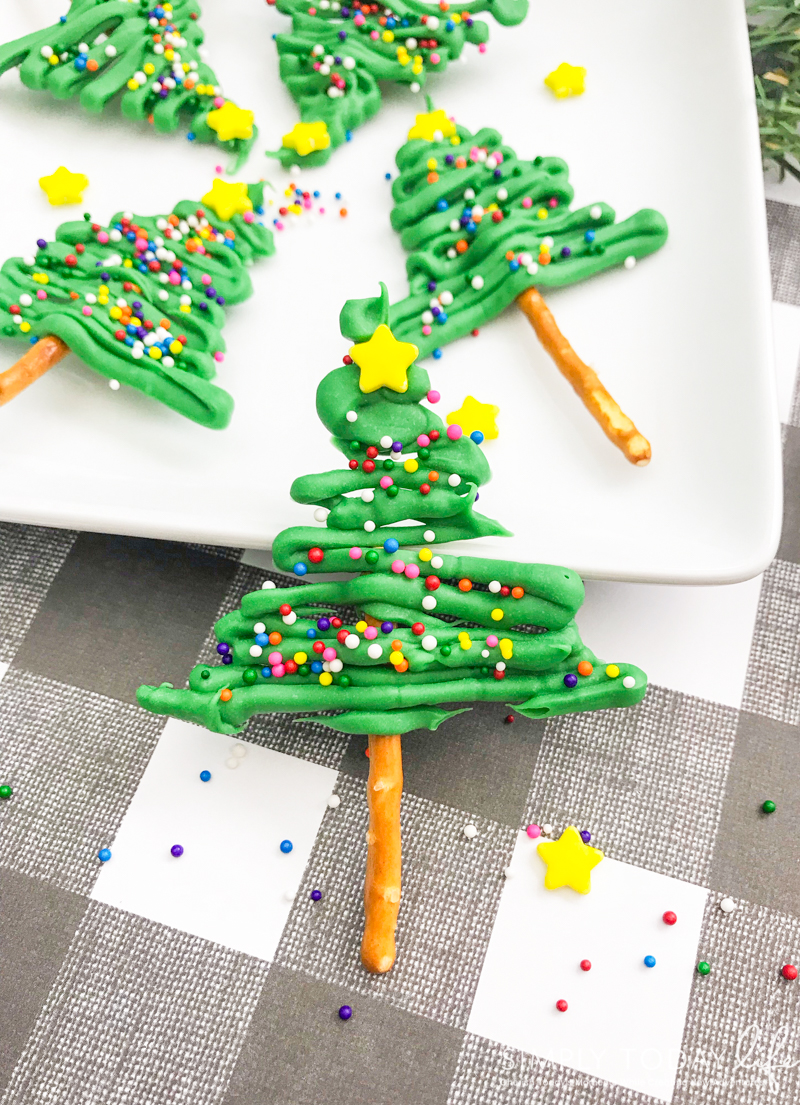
x: 774, y: 27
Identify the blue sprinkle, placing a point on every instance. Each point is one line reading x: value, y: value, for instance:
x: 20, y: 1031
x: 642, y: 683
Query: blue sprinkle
x: 513, y: 265
x: 300, y: 568
x: 441, y: 205
x: 205, y: 776
x: 649, y: 961
x: 266, y: 672
x: 316, y: 195
x: 311, y: 633
x: 449, y: 25
x: 387, y: 176
x: 316, y: 667
x: 80, y: 61
x: 441, y: 318
x: 259, y: 210
x: 590, y: 236
x: 34, y: 341
x: 391, y: 545
x: 437, y: 353
x: 104, y: 855
x: 286, y: 846
x: 262, y: 639
x: 337, y: 196
x: 476, y: 436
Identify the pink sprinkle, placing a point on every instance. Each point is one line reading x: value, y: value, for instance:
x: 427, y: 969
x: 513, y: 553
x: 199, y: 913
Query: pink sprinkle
x: 278, y: 225
x: 435, y: 59
x: 87, y: 310
x: 370, y: 632
x: 359, y: 20
x: 454, y: 432
x: 527, y: 202
x: 278, y: 671
x: 533, y: 831
x: 322, y: 210
x: 249, y: 217
x: 141, y: 244
x: 481, y: 49
x: 41, y: 294
x: 355, y: 553
x: 217, y: 168
x: 412, y: 571
x: 426, y: 330
x: 329, y: 654
x: 386, y: 481
x: 474, y: 153
x: 317, y: 64
x: 275, y: 658
x: 398, y: 566
x: 102, y: 237
x: 221, y: 357
x: 491, y: 641
x: 497, y: 155
x: 552, y: 202
x: 423, y: 440
x: 219, y: 101
x: 433, y: 396
x: 206, y: 278
x: 174, y: 277
x: 373, y: 35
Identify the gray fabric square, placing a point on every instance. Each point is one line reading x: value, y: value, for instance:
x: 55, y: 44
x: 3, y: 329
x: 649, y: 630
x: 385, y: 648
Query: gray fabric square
x: 299, y: 1052
x: 30, y: 556
x: 743, y: 1024
x: 794, y: 414
x: 451, y: 891
x: 37, y: 924
x: 493, y: 1074
x: 783, y: 225
x: 772, y: 686
x: 124, y: 611
x: 751, y: 859
x: 647, y: 782
x: 139, y: 1014
x: 789, y: 548
x: 475, y: 761
x: 74, y: 760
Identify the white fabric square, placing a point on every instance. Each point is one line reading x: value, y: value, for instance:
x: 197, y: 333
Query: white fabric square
x: 786, y: 327
x: 624, y: 1021
x: 232, y: 884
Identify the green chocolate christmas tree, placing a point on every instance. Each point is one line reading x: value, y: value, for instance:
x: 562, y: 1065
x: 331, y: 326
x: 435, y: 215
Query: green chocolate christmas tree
x: 337, y: 53
x: 485, y: 228
x: 141, y: 301
x: 435, y: 630
x: 149, y: 53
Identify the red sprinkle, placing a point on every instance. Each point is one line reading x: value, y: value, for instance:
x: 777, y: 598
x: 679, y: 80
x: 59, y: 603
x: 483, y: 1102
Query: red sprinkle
x: 562, y: 1006
x: 669, y: 917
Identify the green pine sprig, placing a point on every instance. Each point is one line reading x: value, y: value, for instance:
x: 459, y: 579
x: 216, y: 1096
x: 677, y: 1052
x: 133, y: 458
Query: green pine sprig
x: 774, y: 27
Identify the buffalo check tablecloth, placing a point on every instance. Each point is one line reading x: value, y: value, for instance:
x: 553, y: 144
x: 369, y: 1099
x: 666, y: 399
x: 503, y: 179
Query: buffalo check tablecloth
x: 216, y: 980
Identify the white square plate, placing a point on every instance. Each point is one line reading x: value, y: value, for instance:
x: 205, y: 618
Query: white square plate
x: 684, y: 340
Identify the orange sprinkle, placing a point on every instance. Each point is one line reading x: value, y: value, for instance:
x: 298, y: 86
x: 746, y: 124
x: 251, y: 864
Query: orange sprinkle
x: 230, y: 234
x: 165, y: 322
x: 191, y: 245
x: 189, y: 85
x: 432, y: 178
x: 545, y: 258
x: 366, y: 752
x: 343, y: 212
x: 150, y: 119
x: 585, y: 668
x: 517, y: 592
x: 226, y: 694
x: 397, y: 645
x: 465, y: 585
x: 403, y: 666
x: 461, y: 246
x: 92, y: 65
x: 74, y: 295
x: 433, y: 476
x: 275, y: 638
x: 461, y: 162
x: 509, y: 255
x: 173, y: 220
x: 156, y: 38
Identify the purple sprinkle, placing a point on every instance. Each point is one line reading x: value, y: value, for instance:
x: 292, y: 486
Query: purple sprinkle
x: 41, y: 243
x: 223, y: 649
x: 315, y: 895
x: 586, y: 836
x: 345, y: 1012
x: 176, y: 850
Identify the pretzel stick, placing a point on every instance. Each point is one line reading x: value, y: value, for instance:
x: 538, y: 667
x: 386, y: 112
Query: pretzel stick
x: 382, y: 884
x: 603, y: 407
x: 39, y: 359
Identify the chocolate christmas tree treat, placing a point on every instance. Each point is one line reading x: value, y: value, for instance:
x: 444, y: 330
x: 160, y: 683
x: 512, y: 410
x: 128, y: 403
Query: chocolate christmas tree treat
x: 485, y: 228
x: 147, y: 52
x: 142, y: 301
x: 336, y: 54
x: 434, y: 630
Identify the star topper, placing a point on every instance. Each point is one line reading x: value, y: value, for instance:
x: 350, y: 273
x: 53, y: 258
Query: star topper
x: 307, y: 137
x: 230, y: 121
x: 473, y: 415
x: 228, y: 199
x: 569, y: 861
x: 567, y: 80
x: 64, y: 187
x: 384, y: 361
x: 433, y: 126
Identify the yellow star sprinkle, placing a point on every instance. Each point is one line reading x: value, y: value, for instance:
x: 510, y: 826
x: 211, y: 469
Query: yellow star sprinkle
x: 567, y: 80
x: 473, y: 415
x: 64, y: 187
x: 433, y: 127
x: 569, y: 861
x: 384, y: 361
x: 227, y: 199
x: 230, y: 121
x: 307, y: 137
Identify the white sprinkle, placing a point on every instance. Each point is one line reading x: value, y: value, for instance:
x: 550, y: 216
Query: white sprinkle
x: 259, y: 627
x: 375, y: 652
x: 29, y: 261
x: 163, y: 296
x: 596, y: 211
x: 727, y: 905
x: 335, y: 665
x: 532, y: 269
x: 414, y: 86
x: 509, y: 874
x: 367, y: 495
x: 525, y: 259
x: 491, y: 162
x: 321, y: 513
x: 548, y: 241
x: 351, y: 416
x: 427, y: 318
x: 137, y: 353
x: 111, y: 51
x: 115, y: 235
x: 451, y: 253
x: 352, y: 640
x: 630, y: 262
x: 438, y: 136
x: 429, y: 642
x: 114, y: 385
x: 334, y: 802
x: 477, y: 283
x: 239, y: 751
x: 256, y: 650
x: 500, y: 666
x: 495, y: 586
x: 429, y: 603
x: 502, y: 194
x: 268, y: 585
x: 369, y: 525
x: 429, y: 535
x: 26, y: 300
x: 386, y: 442
x: 629, y: 682
x: 411, y: 44
x: 547, y: 830
x: 46, y: 51
x: 349, y: 63
x: 167, y: 362
x: 83, y: 47
x: 433, y: 22
x: 485, y: 653
x: 470, y: 832
x: 290, y: 618
x: 469, y: 194
x: 437, y: 563
x: 232, y: 763
x: 455, y: 225
x: 454, y: 479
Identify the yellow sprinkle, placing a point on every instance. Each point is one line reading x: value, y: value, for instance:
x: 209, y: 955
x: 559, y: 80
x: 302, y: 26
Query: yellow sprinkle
x: 492, y: 207
x: 133, y: 85
x: 411, y: 465
x: 404, y: 59
x: 103, y: 289
x: 497, y: 614
x: 388, y: 36
x: 326, y: 679
x: 541, y: 213
x: 360, y: 627
x: 612, y: 671
x: 455, y: 140
x: 102, y: 300
x: 456, y: 17
x: 395, y: 658
x: 186, y: 67
x: 176, y: 347
x: 431, y: 162
x: 25, y: 327
x: 169, y: 54
x: 464, y: 641
x: 115, y: 313
x: 155, y: 353
x: 149, y: 68
x: 425, y: 554
x: 506, y: 648
x: 187, y: 310
x: 300, y: 657
x: 127, y: 263
x: 53, y: 59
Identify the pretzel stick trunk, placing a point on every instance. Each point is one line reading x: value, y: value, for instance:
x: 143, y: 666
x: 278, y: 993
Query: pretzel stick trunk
x: 382, y: 884
x: 603, y: 407
x: 39, y: 359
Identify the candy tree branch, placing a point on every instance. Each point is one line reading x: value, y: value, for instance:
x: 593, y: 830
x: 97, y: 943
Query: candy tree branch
x: 382, y: 884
